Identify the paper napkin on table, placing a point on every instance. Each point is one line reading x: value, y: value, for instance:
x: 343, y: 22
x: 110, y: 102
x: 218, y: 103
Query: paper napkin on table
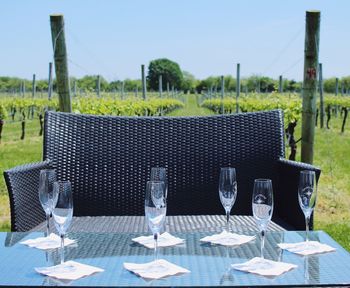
x: 164, y: 240
x: 264, y: 267
x: 51, y: 242
x: 228, y: 239
x: 69, y: 270
x: 306, y: 248
x: 156, y: 269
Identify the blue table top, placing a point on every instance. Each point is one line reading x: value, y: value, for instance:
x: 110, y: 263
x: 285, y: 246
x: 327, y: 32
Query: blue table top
x: 209, y: 264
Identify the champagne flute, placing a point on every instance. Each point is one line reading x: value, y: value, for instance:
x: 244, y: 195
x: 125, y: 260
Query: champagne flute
x: 159, y: 174
x: 63, y: 211
x: 307, y: 194
x: 155, y: 209
x: 262, y: 204
x: 228, y: 191
x: 47, y: 195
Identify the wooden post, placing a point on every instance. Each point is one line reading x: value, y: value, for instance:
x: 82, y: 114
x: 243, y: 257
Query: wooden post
x: 144, y: 90
x: 280, y: 86
x: 160, y: 86
x: 49, y: 89
x: 312, y: 37
x: 75, y: 88
x: 33, y: 87
x: 24, y: 88
x: 336, y: 86
x: 222, y: 94
x: 238, y: 85
x: 98, y: 86
x: 321, y: 95
x: 61, y: 65
x: 168, y: 88
x: 122, y: 90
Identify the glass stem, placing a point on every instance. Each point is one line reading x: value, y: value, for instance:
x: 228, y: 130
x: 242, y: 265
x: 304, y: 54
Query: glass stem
x: 47, y: 225
x: 262, y: 243
x: 62, y: 248
x: 156, y: 246
x: 307, y: 221
x: 228, y: 221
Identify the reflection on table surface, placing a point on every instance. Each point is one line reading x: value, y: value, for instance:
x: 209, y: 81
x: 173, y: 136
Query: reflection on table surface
x: 209, y: 264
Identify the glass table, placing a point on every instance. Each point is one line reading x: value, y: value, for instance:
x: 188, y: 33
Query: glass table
x: 209, y: 264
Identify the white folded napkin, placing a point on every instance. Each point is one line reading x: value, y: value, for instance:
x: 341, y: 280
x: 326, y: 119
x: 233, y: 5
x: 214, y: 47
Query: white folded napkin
x: 264, y: 267
x: 228, y: 239
x: 51, y: 242
x: 306, y: 248
x: 164, y: 240
x: 69, y: 270
x: 156, y: 269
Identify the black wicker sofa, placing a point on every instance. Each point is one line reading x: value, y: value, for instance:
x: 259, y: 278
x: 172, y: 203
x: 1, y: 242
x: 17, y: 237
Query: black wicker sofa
x: 108, y: 160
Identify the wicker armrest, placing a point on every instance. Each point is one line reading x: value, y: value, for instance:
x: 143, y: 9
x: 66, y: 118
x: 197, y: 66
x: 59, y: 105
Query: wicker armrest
x: 287, y: 207
x: 23, y: 184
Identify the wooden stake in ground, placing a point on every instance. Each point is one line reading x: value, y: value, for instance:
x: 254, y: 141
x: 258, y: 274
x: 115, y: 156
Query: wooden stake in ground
x: 321, y: 95
x: 33, y: 95
x: 24, y: 88
x: 312, y: 37
x: 61, y: 65
x: 336, y: 86
x: 75, y: 88
x: 222, y: 94
x: 144, y: 90
x: 160, y: 86
x: 98, y: 86
x: 33, y: 87
x: 238, y: 85
x: 122, y: 90
x: 49, y: 89
x: 280, y: 86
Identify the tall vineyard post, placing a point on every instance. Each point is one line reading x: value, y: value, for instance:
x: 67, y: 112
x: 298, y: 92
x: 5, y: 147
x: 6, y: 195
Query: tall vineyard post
x: 144, y: 90
x: 160, y: 86
x: 61, y: 64
x: 98, y: 86
x: 312, y: 36
x: 280, y: 85
x: 33, y: 96
x: 321, y: 95
x: 222, y: 94
x: 238, y: 85
x: 49, y: 88
x: 336, y: 86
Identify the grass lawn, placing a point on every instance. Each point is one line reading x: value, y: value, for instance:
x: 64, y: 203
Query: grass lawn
x: 331, y: 155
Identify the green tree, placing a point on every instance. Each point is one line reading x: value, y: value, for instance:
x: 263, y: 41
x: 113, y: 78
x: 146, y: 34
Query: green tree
x: 89, y: 83
x: 329, y: 85
x: 189, y: 82
x: 211, y: 82
x: 170, y: 71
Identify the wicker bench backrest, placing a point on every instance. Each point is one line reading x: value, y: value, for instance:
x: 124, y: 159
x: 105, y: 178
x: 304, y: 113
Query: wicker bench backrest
x: 108, y: 159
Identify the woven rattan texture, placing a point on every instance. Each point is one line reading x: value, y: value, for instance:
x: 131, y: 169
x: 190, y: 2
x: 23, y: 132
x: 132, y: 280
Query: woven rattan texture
x: 108, y: 159
x: 288, y: 203
x: 23, y: 186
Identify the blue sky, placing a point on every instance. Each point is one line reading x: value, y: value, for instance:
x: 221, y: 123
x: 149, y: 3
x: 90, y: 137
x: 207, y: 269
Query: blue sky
x: 206, y: 37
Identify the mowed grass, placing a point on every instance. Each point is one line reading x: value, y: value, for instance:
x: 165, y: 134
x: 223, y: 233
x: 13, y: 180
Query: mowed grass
x: 331, y: 155
x: 13, y: 152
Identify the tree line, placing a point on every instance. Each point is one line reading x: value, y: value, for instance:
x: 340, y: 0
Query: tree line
x: 174, y: 78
